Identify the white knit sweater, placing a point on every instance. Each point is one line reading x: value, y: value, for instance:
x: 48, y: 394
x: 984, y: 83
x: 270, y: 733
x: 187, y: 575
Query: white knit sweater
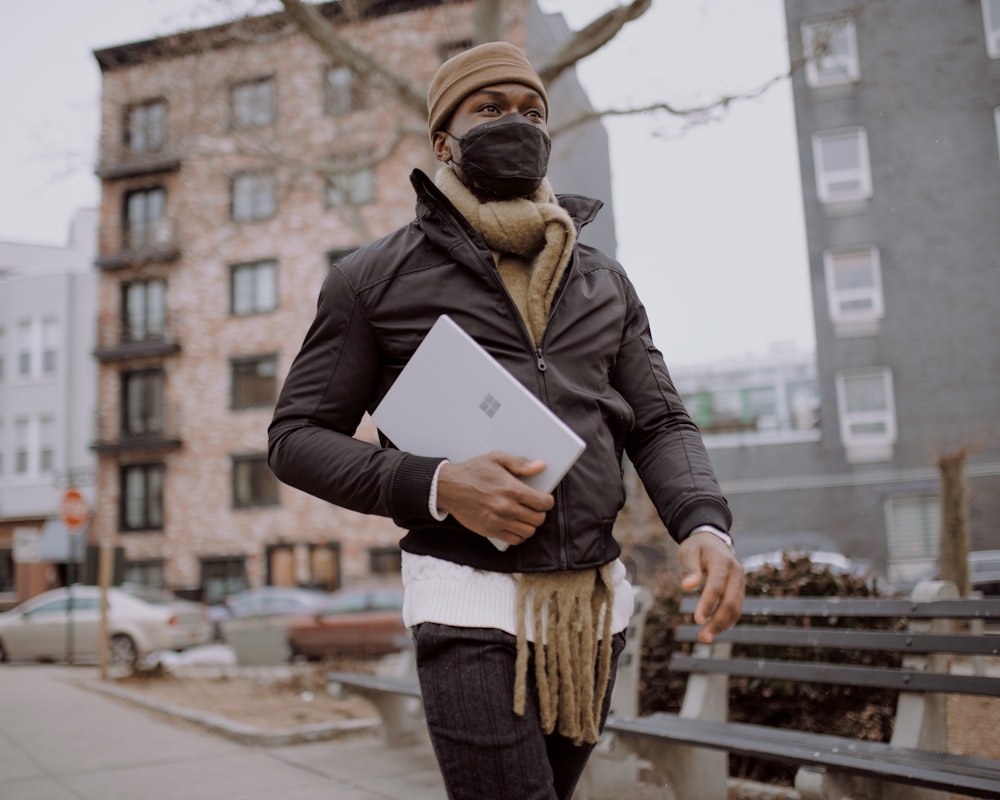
x: 441, y: 591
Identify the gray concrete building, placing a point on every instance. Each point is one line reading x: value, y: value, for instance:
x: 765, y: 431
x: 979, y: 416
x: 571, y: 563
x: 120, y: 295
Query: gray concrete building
x: 47, y: 402
x: 897, y: 107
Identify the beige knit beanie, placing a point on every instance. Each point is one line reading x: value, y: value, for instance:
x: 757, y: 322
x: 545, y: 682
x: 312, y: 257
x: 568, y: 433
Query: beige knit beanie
x: 484, y: 65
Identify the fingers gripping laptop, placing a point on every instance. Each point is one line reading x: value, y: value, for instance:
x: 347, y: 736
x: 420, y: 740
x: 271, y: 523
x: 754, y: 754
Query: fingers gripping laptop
x: 453, y: 399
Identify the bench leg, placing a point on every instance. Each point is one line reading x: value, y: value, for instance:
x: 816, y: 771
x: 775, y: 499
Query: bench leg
x: 402, y: 719
x: 610, y: 775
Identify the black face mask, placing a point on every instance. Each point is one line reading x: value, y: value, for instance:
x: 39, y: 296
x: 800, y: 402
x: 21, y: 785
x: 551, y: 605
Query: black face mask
x: 505, y: 158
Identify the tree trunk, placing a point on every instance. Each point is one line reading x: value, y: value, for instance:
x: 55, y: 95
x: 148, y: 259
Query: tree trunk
x: 954, y: 549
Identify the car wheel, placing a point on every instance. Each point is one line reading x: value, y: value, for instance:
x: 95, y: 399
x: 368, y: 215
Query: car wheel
x: 3, y: 653
x: 122, y: 651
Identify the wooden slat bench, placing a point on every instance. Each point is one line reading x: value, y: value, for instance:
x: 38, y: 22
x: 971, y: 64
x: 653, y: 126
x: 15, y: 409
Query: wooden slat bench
x: 689, y: 750
x: 397, y: 697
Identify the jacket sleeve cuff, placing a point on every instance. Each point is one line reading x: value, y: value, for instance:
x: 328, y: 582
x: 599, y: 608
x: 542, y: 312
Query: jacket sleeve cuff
x: 410, y: 490
x: 711, y: 514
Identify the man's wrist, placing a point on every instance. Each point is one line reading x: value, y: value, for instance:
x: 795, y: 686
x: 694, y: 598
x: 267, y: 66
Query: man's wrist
x: 718, y: 533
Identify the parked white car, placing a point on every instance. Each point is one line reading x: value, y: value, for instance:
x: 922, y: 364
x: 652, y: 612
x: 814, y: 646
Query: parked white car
x: 39, y: 629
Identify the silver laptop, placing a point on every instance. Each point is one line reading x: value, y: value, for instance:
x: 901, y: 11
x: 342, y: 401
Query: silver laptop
x: 453, y: 399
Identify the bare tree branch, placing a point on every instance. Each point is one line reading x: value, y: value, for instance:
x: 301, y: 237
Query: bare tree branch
x: 592, y: 38
x: 311, y: 22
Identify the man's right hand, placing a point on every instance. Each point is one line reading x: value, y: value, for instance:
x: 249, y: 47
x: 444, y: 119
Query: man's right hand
x: 485, y: 495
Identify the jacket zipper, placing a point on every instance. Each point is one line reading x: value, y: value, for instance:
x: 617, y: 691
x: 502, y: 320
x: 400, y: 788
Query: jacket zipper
x: 539, y: 363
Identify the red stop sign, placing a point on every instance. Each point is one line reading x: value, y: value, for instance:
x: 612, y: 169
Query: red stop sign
x: 74, y: 509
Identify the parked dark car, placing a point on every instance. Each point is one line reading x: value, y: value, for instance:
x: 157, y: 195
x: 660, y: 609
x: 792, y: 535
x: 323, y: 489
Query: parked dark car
x: 266, y: 601
x: 360, y: 621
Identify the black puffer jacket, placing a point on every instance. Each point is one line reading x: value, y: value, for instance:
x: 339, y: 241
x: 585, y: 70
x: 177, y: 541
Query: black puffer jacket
x: 597, y: 369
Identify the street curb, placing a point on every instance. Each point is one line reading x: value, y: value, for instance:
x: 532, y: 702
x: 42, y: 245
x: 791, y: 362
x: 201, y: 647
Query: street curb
x: 237, y: 731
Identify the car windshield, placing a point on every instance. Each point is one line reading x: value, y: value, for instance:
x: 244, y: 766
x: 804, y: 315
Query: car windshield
x: 152, y: 595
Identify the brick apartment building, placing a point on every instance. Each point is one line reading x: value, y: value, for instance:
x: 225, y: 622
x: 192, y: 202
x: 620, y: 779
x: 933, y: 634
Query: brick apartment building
x: 216, y: 233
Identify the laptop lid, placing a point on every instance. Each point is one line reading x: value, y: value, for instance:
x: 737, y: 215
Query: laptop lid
x: 453, y: 399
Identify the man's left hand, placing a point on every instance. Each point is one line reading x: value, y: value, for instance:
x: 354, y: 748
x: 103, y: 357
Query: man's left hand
x: 709, y: 564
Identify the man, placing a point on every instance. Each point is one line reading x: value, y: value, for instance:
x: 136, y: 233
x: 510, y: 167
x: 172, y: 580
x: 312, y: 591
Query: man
x: 516, y: 649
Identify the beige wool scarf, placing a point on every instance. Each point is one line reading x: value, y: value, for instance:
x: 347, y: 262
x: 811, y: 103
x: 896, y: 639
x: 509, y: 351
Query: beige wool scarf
x: 532, y: 240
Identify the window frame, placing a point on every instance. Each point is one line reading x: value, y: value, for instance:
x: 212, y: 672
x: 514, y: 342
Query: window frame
x: 343, y: 98
x: 148, y: 122
x: 142, y: 327
x: 351, y: 187
x: 263, y: 389
x: 253, y: 111
x: 151, y: 383
x: 863, y: 447
x: 845, y: 320
x: 152, y: 231
x: 255, y: 499
x: 991, y: 27
x: 153, y: 476
x: 247, y: 189
x: 848, y: 61
x: 46, y: 444
x: 862, y: 174
x: 911, y: 564
x: 25, y: 335
x: 256, y: 306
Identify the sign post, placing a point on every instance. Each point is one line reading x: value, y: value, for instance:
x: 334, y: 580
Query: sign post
x: 74, y: 515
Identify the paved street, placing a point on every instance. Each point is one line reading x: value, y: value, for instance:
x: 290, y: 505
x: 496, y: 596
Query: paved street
x: 62, y: 741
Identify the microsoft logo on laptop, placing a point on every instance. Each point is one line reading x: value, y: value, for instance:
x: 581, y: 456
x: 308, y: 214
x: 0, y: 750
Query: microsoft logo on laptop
x: 490, y: 405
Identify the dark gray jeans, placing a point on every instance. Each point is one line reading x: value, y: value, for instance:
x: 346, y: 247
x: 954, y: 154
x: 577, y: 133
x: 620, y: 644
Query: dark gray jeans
x: 486, y: 751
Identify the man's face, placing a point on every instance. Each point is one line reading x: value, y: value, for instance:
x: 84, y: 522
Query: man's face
x: 484, y: 105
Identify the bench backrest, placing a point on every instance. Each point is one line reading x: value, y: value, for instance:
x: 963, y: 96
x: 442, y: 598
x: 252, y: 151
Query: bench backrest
x: 917, y: 630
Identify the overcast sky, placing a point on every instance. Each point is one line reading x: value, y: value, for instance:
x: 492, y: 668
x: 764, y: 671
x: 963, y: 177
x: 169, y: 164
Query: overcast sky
x: 708, y: 217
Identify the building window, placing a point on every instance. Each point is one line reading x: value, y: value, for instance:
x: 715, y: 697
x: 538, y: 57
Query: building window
x: 221, y: 577
x: 143, y: 310
x: 6, y: 570
x: 991, y: 25
x: 253, y: 482
x: 146, y: 127
x: 843, y: 171
x: 141, y: 497
x: 46, y: 445
x: 854, y: 290
x: 50, y: 345
x: 254, y: 196
x: 146, y: 225
x: 142, y: 402
x: 254, y: 381
x: 253, y: 288
x: 25, y: 346
x: 21, y: 437
x: 145, y: 573
x: 385, y: 561
x: 343, y: 91
x: 253, y: 104
x: 912, y: 524
x: 831, y: 52
x: 867, y: 413
x: 353, y: 183
x: 803, y: 404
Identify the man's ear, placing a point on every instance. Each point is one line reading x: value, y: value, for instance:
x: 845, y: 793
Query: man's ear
x: 442, y: 146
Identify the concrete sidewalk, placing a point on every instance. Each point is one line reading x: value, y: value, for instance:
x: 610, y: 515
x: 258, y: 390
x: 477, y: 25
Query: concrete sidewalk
x: 62, y: 741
